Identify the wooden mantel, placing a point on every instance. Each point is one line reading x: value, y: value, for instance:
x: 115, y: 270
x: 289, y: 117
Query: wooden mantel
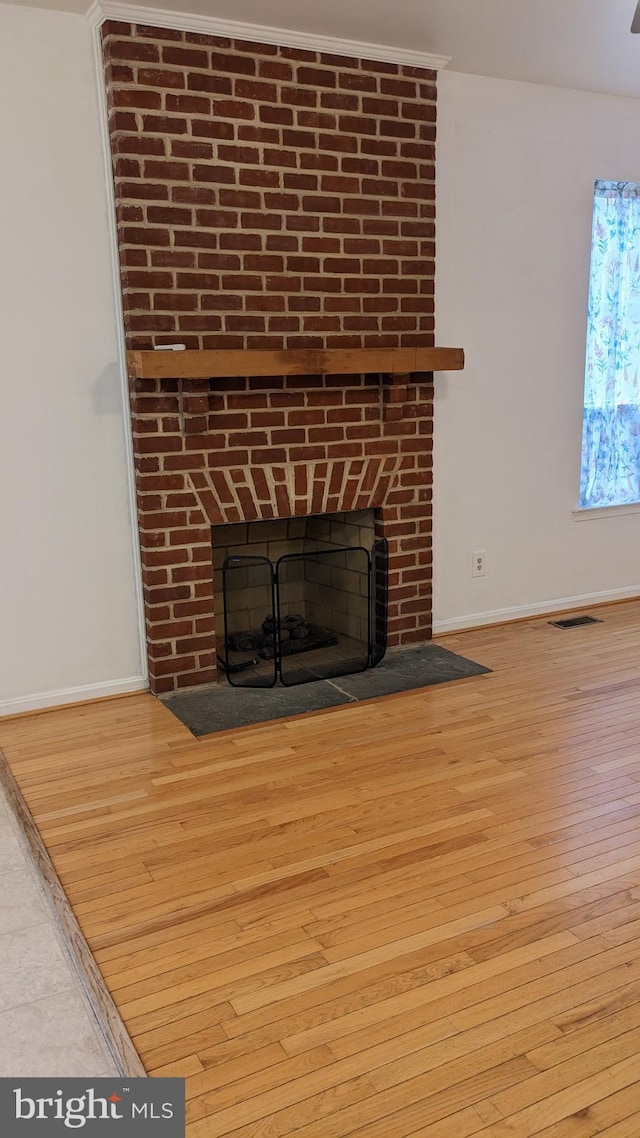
x: 294, y: 361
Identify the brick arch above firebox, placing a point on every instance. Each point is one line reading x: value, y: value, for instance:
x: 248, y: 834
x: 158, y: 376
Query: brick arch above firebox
x: 294, y: 489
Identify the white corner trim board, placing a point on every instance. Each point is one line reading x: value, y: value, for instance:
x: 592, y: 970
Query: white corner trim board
x: 540, y: 608
x: 123, y: 370
x: 102, y: 10
x: 73, y: 695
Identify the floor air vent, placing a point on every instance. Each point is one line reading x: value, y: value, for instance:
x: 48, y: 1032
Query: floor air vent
x: 575, y: 621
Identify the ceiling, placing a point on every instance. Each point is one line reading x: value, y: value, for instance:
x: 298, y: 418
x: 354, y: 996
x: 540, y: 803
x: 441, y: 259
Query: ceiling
x: 585, y: 44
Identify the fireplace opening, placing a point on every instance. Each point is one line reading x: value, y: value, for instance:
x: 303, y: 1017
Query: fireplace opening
x: 300, y: 599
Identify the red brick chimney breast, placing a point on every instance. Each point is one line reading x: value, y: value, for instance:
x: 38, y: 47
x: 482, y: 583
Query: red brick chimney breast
x: 270, y: 197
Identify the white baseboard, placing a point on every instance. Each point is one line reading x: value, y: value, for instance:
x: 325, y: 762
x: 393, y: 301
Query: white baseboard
x: 540, y: 608
x: 72, y: 695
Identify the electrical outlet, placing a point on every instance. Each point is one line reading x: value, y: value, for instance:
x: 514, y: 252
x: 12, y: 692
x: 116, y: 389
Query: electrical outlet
x: 479, y: 563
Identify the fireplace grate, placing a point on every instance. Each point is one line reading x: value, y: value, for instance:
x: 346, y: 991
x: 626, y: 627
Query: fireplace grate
x: 314, y: 615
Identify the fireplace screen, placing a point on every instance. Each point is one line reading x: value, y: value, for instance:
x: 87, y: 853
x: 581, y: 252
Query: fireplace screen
x: 305, y: 616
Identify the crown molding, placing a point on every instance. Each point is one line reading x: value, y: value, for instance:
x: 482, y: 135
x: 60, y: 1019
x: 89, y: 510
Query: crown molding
x: 102, y: 10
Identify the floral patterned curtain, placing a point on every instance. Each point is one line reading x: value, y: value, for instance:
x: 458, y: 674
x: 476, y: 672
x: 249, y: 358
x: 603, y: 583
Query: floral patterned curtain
x: 611, y: 429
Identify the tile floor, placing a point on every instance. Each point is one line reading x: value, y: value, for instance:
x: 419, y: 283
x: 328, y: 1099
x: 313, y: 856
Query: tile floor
x: 46, y: 1027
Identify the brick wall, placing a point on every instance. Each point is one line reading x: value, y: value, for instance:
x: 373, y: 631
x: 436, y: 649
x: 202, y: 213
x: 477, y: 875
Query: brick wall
x: 270, y: 197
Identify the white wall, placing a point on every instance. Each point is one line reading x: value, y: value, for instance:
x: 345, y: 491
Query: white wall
x: 69, y: 624
x: 516, y: 167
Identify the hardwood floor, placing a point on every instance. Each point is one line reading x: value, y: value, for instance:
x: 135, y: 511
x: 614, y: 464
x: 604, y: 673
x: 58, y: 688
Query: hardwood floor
x: 418, y: 916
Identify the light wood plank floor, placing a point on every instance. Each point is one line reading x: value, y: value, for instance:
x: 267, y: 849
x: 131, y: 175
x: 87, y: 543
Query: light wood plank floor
x: 418, y: 916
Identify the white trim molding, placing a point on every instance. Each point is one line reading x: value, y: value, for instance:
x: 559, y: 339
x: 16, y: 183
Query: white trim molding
x: 73, y: 695
x: 123, y: 370
x: 540, y: 608
x: 102, y: 10
x: 586, y: 514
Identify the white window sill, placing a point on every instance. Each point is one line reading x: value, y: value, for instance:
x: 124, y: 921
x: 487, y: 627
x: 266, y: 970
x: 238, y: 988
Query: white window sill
x: 584, y: 514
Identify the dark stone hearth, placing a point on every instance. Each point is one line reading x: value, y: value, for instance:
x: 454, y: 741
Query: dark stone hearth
x: 221, y: 707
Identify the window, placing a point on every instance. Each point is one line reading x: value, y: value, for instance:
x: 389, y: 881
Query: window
x: 610, y: 474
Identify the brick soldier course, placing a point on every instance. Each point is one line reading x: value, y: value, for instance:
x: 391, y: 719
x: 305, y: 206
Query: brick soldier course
x: 269, y: 197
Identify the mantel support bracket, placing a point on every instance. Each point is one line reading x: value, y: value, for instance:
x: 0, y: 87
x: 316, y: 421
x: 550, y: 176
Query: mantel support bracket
x: 395, y: 393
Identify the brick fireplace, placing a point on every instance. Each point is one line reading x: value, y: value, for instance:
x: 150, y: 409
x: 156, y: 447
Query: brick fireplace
x: 271, y: 198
